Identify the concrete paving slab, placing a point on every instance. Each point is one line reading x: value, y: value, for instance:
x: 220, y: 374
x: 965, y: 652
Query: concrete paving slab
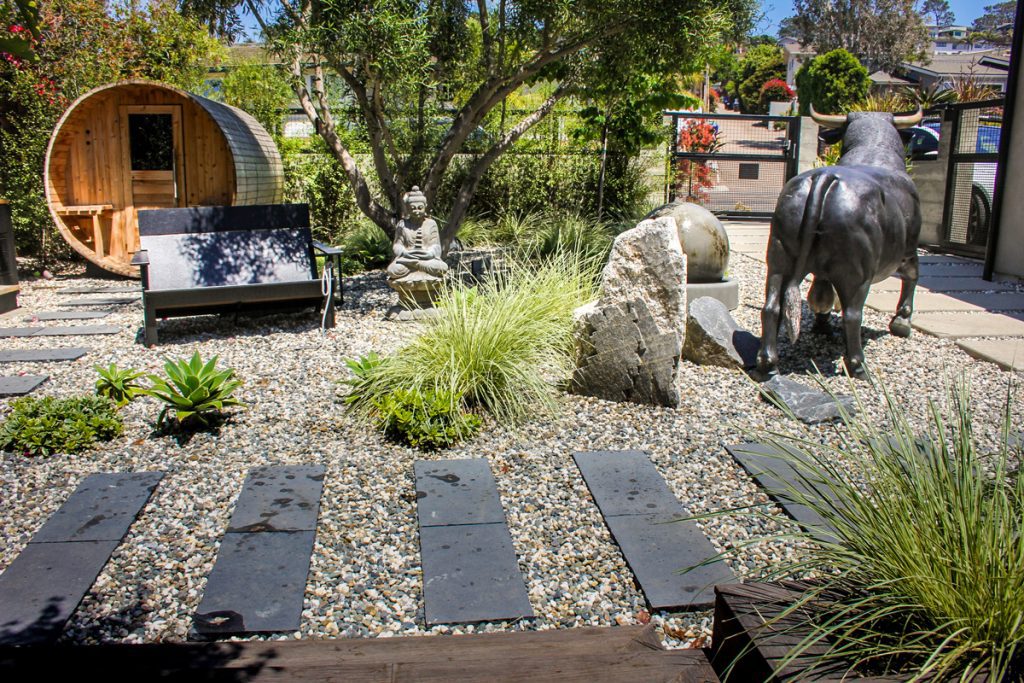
x: 101, y: 290
x: 19, y: 331
x: 1006, y: 353
x: 279, y: 498
x: 925, y: 301
x: 457, y: 492
x: 77, y: 330
x: 968, y: 269
x: 19, y: 385
x: 955, y: 325
x: 101, y: 509
x: 626, y: 483
x: 945, y: 284
x: 69, y: 315
x: 41, y: 355
x: 110, y: 301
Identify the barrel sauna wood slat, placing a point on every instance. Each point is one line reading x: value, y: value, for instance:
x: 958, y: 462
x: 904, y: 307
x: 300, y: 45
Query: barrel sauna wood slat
x: 221, y: 156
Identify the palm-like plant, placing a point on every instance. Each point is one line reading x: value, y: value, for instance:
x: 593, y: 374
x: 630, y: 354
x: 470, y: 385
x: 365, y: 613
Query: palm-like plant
x: 118, y: 384
x: 193, y: 390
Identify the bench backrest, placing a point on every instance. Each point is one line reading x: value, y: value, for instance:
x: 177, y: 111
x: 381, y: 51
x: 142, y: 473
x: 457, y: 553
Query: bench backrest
x: 212, y: 246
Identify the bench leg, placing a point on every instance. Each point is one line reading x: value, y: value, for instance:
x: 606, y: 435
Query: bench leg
x: 329, y: 314
x: 149, y: 322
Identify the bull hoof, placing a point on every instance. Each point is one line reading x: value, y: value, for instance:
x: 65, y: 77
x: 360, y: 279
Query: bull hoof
x: 855, y: 366
x: 766, y: 366
x: 900, y: 327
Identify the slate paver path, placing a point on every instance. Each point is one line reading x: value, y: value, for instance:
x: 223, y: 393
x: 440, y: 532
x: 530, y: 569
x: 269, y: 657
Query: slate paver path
x: 780, y: 479
x: 127, y: 289
x: 470, y: 571
x: 110, y: 301
x: 43, y: 586
x: 69, y: 315
x: 640, y: 511
x: 59, y: 331
x: 19, y: 385
x: 41, y: 355
x: 259, y: 579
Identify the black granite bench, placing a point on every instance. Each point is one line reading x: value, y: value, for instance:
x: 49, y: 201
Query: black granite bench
x: 218, y: 259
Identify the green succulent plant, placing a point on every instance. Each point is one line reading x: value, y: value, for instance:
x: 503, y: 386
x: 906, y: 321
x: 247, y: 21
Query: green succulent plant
x: 118, y: 384
x: 193, y: 390
x: 43, y: 426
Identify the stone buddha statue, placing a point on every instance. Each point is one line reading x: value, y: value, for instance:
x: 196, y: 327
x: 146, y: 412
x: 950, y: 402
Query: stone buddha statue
x: 417, y: 245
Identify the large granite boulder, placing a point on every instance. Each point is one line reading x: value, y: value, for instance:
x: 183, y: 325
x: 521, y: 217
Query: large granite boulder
x: 629, y: 342
x: 714, y: 338
x: 703, y: 237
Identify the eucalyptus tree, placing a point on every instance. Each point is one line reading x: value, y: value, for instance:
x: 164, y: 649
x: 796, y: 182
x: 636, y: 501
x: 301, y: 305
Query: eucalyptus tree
x: 422, y: 76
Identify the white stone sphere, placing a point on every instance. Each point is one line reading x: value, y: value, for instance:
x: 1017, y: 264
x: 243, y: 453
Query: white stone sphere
x: 703, y: 239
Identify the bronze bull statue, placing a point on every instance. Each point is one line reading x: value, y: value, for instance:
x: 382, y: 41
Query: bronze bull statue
x: 849, y: 225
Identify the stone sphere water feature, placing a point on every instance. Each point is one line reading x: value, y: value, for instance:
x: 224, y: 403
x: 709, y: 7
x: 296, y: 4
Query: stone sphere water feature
x: 703, y: 238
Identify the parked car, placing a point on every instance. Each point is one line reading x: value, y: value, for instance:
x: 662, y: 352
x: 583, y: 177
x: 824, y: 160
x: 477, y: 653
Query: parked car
x: 923, y: 144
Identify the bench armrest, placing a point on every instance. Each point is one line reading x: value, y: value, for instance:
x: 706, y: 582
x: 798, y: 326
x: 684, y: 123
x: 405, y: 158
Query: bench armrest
x: 326, y: 249
x: 141, y: 258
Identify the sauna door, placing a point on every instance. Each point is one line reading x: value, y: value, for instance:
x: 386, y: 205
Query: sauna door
x: 152, y: 144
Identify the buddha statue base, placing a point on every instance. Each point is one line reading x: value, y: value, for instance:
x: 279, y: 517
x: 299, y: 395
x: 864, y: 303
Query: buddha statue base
x: 417, y: 293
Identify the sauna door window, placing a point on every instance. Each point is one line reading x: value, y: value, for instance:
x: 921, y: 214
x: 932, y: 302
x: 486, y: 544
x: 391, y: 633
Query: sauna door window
x: 154, y: 155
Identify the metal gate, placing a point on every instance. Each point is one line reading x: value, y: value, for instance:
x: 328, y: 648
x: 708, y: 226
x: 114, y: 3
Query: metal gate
x: 971, y: 176
x: 732, y: 163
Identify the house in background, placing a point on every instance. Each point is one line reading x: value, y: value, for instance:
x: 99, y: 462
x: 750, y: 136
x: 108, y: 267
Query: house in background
x: 795, y: 55
x: 950, y: 39
x: 943, y: 70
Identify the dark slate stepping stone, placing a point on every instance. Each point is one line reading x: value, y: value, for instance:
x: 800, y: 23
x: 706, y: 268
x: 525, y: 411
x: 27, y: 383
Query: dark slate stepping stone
x: 101, y: 509
x: 44, y: 584
x: 809, y: 404
x: 457, y: 492
x: 639, y: 509
x: 279, y: 499
x: 112, y: 301
x: 779, y: 479
x: 41, y: 355
x: 71, y: 315
x: 259, y: 579
x: 19, y: 331
x: 257, y: 584
x: 42, y: 587
x: 470, y: 570
x: 127, y: 289
x: 21, y: 384
x: 77, y: 330
x: 470, y: 574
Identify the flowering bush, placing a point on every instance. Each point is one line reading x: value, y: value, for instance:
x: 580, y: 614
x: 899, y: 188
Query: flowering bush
x: 775, y: 90
x: 693, y: 178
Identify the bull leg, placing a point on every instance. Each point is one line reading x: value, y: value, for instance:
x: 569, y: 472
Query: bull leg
x: 908, y: 272
x: 852, y: 301
x: 768, y: 355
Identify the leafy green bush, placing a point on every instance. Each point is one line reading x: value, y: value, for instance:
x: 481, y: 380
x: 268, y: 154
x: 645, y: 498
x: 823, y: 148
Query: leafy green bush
x: 832, y: 82
x: 366, y: 247
x: 193, y: 391
x: 759, y: 65
x: 426, y: 420
x: 499, y: 347
x: 118, y: 384
x: 924, y: 571
x: 569, y: 233
x: 42, y: 426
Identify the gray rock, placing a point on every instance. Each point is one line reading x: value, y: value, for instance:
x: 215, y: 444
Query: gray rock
x: 808, y: 404
x: 714, y: 338
x: 703, y: 238
x: 622, y: 355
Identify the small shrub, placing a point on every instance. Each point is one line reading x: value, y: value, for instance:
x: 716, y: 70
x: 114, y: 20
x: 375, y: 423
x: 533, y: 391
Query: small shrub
x: 363, y: 369
x: 832, y: 82
x: 42, y: 426
x: 118, y: 384
x: 775, y: 90
x: 193, y: 391
x: 427, y: 420
x: 367, y: 247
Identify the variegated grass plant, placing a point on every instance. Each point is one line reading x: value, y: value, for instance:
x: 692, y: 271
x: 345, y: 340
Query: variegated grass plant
x: 498, y: 347
x: 921, y: 570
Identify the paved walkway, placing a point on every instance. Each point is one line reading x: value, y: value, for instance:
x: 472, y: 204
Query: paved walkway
x: 986, y: 319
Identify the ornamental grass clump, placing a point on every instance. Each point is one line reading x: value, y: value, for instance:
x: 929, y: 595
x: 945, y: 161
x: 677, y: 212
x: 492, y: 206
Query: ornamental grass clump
x: 924, y: 571
x: 499, y: 347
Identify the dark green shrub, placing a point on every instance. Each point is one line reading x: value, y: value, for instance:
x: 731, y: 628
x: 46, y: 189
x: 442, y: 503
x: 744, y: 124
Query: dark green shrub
x: 118, y: 384
x: 427, y: 420
x: 193, y: 391
x: 759, y: 65
x: 832, y: 82
x: 366, y: 247
x: 42, y: 426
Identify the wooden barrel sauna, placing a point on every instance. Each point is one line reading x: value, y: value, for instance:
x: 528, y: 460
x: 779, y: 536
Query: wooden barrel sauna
x: 142, y: 145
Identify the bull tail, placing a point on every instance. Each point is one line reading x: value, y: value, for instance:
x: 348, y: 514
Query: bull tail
x: 791, y: 304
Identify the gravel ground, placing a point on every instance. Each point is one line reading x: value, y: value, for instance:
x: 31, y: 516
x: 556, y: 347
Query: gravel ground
x: 365, y: 576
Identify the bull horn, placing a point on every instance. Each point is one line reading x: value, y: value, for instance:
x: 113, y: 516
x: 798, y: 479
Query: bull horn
x: 828, y: 120
x: 909, y: 120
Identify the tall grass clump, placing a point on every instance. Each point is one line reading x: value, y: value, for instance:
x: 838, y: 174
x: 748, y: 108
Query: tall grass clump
x: 499, y: 347
x: 922, y: 569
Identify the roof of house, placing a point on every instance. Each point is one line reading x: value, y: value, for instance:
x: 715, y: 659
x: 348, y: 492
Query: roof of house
x: 885, y: 78
x: 958, y: 64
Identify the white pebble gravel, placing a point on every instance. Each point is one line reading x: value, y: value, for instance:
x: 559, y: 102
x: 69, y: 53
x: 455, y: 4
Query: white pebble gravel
x: 365, y: 576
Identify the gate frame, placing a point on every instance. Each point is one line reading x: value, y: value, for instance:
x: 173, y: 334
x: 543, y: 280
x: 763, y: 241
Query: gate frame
x: 790, y: 152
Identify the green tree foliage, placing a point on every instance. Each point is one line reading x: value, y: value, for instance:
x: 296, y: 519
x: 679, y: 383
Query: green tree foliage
x: 881, y: 33
x: 259, y: 89
x: 425, y: 76
x: 995, y: 16
x: 832, y: 82
x: 937, y: 12
x: 759, y: 65
x: 725, y: 68
x: 80, y: 45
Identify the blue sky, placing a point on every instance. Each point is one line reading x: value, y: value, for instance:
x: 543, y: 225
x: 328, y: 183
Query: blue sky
x: 966, y: 11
